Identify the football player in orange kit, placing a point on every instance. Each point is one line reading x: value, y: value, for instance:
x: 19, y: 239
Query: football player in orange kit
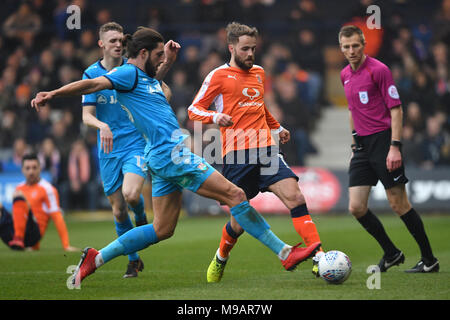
x: 36, y: 196
x: 237, y: 89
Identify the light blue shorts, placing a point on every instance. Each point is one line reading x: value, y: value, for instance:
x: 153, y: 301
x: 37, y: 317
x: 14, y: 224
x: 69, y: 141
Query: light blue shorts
x: 176, y: 170
x: 112, y: 170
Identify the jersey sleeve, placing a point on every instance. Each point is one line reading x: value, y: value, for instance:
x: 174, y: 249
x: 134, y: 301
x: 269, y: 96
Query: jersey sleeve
x: 51, y: 200
x: 386, y: 85
x: 271, y: 121
x: 91, y: 98
x: 208, y: 94
x: 123, y: 79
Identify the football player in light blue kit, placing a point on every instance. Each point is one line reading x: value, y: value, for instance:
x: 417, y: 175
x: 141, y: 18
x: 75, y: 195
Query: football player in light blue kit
x: 171, y: 163
x: 121, y: 146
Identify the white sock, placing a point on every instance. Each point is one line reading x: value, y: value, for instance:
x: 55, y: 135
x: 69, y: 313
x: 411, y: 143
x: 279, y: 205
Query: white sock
x: 284, y: 253
x: 220, y: 257
x: 99, y: 260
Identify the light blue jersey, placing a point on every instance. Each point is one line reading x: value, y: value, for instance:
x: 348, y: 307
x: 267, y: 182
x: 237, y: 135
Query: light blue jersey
x: 125, y: 135
x: 127, y: 154
x: 171, y: 163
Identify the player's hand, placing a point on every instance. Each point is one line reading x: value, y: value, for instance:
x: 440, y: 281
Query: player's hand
x: 394, y: 159
x: 106, y: 139
x: 285, y: 136
x: 224, y: 120
x: 41, y: 99
x: 171, y: 49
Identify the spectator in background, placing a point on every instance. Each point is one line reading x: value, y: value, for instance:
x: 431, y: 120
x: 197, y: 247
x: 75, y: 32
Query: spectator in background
x: 39, y: 126
x: 304, y: 13
x: 404, y: 83
x: 182, y: 94
x: 23, y: 25
x: 50, y: 159
x: 49, y: 78
x: 309, y: 85
x: 423, y: 93
x: 75, y: 192
x: 21, y: 105
x: 68, y: 56
x: 191, y: 64
x: 441, y: 22
x: 411, y: 146
x: 14, y: 163
x: 414, y: 117
x: 11, y: 129
x: 435, y: 145
x: 61, y: 137
x: 88, y: 52
x: 296, y: 118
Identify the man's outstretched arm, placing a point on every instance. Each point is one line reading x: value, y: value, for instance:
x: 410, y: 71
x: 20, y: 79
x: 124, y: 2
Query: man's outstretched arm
x: 76, y: 88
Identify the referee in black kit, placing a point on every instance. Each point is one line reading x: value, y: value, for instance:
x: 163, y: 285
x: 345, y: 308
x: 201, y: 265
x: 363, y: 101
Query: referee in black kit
x: 376, y: 121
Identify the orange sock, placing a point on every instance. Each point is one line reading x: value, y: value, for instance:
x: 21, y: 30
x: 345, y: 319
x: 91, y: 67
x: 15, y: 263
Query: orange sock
x: 227, y: 241
x: 20, y: 216
x: 304, y: 225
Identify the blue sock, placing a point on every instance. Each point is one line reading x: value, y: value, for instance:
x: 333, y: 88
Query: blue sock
x: 254, y: 224
x: 121, y: 228
x: 138, y: 210
x: 132, y: 241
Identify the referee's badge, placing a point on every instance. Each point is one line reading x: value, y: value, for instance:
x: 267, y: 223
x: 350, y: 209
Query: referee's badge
x: 393, y: 92
x: 363, y: 97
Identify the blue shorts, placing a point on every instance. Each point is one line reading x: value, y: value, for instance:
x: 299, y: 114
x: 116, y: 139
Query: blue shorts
x: 112, y: 170
x: 254, y: 170
x: 177, y: 169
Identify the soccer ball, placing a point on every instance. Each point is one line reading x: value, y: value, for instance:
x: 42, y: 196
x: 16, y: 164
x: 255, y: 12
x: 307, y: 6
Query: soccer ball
x: 334, y: 267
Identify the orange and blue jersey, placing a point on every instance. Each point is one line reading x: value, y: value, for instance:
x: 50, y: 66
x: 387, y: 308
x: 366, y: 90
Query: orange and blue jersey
x: 240, y: 94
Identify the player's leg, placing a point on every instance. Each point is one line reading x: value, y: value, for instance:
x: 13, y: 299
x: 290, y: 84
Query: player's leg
x: 365, y: 170
x: 219, y: 188
x: 288, y: 191
x: 42, y: 222
x: 32, y: 232
x: 244, y: 176
x: 133, y: 180
x: 111, y: 171
x: 20, y: 209
x: 166, y: 210
x: 123, y: 224
x: 358, y: 200
x: 398, y: 199
x: 6, y: 225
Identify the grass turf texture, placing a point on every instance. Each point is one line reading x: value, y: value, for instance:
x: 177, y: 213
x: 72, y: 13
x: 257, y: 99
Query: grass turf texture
x: 175, y: 269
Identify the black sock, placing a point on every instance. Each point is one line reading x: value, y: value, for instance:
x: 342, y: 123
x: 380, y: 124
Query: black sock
x: 415, y: 226
x: 373, y: 225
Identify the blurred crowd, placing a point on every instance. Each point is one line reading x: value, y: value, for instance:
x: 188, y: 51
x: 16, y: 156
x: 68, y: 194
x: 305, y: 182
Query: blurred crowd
x: 38, y: 52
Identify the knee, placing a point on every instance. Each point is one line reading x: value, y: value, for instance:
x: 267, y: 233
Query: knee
x: 120, y: 211
x: 131, y: 196
x: 164, y: 232
x: 357, y: 209
x: 18, y: 194
x: 236, y: 195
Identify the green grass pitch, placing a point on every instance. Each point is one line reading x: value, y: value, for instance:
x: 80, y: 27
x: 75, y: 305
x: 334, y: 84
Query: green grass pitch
x: 175, y: 269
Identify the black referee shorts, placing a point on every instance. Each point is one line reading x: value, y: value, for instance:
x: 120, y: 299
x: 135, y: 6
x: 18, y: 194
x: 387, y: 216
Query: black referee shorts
x: 368, y: 165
